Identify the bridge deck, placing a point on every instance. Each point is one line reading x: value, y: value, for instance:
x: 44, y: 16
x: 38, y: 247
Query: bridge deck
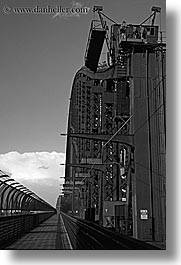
x: 62, y: 231
x: 51, y: 234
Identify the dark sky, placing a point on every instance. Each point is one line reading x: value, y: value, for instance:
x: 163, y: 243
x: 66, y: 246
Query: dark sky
x: 39, y: 57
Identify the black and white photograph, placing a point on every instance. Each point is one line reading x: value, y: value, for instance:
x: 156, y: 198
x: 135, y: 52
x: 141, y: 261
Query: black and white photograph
x: 83, y: 125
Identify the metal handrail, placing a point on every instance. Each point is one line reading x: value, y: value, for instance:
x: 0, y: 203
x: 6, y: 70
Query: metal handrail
x: 10, y: 187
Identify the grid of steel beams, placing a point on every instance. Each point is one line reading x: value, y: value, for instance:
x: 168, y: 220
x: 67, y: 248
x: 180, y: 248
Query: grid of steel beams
x: 116, y: 139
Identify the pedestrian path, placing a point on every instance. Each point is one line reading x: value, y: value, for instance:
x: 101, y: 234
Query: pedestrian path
x: 50, y: 234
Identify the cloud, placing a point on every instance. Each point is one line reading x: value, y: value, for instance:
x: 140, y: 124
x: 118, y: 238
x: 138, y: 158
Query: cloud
x: 43, y: 167
x: 38, y: 171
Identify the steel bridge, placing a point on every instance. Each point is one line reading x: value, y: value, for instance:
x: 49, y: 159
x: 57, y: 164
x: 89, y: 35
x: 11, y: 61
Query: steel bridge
x: 114, y: 191
x: 115, y: 157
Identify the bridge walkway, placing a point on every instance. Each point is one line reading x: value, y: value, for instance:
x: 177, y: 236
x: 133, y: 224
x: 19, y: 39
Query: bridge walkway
x: 50, y: 234
x: 65, y: 232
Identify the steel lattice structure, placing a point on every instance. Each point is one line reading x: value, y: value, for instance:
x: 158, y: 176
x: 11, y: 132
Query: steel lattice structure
x: 116, y: 131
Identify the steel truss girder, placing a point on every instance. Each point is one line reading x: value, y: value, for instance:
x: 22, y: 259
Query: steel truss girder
x: 122, y: 139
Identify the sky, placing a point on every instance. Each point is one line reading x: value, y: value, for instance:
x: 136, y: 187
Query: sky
x: 40, y: 54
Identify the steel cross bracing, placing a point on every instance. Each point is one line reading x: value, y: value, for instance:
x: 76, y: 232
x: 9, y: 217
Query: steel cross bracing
x: 103, y: 111
x: 97, y: 113
x: 107, y: 139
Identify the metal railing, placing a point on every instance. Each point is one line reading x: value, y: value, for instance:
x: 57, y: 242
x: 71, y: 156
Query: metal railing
x: 16, y: 198
x: 13, y: 227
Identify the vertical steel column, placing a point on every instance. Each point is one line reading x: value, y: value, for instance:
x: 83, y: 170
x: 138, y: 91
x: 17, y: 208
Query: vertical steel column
x: 73, y: 191
x: 101, y: 199
x: 163, y: 86
x: 118, y: 167
x: 150, y: 146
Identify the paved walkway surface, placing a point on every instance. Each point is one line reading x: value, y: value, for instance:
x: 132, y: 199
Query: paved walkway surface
x: 51, y: 234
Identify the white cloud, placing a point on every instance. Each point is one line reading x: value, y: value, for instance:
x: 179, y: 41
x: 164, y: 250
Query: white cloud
x: 38, y: 171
